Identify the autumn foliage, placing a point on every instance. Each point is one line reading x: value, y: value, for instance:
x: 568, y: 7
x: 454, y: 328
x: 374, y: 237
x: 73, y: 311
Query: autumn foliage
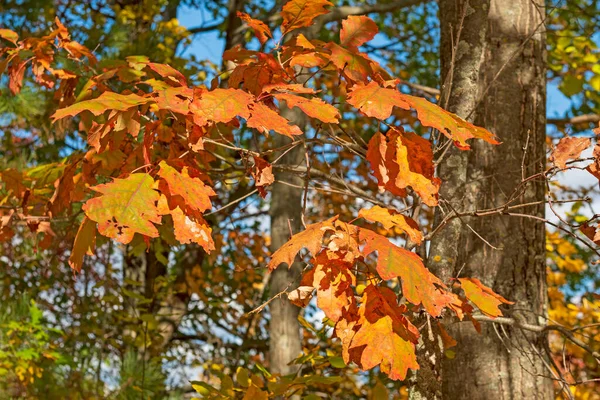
x: 151, y: 138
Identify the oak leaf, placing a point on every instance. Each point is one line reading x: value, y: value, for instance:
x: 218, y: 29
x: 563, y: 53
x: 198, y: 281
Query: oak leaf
x: 352, y: 65
x: 9, y: 35
x: 451, y: 125
x: 261, y: 30
x: 568, y: 148
x: 313, y: 107
x: 265, y: 120
x: 84, y: 244
x: 483, y: 297
x: 592, y: 232
x: 300, y: 13
x: 192, y: 229
x: 389, y: 219
x: 385, y: 337
x: 357, y: 30
x: 106, y: 101
x: 194, y: 192
x: 381, y: 159
x: 383, y: 347
x: 263, y: 175
x: 127, y: 206
x: 311, y: 238
x: 415, y: 166
x: 333, y: 279
x: 419, y: 286
x: 221, y: 105
x: 376, y: 101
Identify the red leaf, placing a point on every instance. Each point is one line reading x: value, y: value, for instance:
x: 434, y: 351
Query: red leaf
x: 593, y: 233
x: 415, y: 166
x: 263, y: 175
x: 381, y: 339
x: 449, y: 124
x: 189, y: 228
x: 378, y: 102
x: 9, y: 35
x: 401, y: 160
x: 354, y: 66
x: 384, y: 170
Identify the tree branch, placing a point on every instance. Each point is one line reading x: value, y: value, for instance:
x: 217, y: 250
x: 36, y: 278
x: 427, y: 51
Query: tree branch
x: 567, y: 333
x: 205, y: 28
x: 578, y: 120
x: 340, y: 13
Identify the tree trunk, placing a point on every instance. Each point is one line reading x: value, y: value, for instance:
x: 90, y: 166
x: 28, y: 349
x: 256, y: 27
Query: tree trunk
x: 285, y: 342
x: 495, y: 75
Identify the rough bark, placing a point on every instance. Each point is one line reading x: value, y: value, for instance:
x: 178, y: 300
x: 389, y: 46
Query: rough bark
x: 498, y: 80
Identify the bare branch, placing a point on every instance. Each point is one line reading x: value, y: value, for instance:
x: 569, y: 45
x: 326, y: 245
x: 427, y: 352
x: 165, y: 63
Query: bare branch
x: 578, y: 120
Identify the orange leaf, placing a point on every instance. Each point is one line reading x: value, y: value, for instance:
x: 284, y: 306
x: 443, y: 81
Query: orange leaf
x: 106, y: 101
x: 385, y: 337
x: 311, y: 238
x: 313, y: 107
x: 263, y: 175
x: 389, y: 219
x: 301, y: 296
x: 384, y: 170
x: 593, y: 233
x: 354, y: 66
x: 221, y: 105
x: 419, y: 286
x: 333, y: 280
x: 383, y: 347
x: 265, y: 120
x: 446, y: 338
x: 356, y: 31
x: 449, y: 124
x: 127, y: 206
x: 483, y: 297
x: 415, y: 166
x: 192, y: 229
x: 9, y: 35
x: 379, y: 301
x: 376, y: 101
x: 84, y: 244
x: 261, y: 30
x: 300, y: 13
x: 194, y: 192
x: 568, y: 148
